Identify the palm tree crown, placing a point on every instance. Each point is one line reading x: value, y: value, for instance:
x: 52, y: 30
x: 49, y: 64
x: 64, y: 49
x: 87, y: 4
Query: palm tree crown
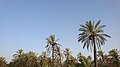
x: 51, y: 43
x: 90, y: 30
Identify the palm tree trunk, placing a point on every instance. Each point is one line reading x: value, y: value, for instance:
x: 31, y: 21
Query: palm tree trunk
x: 103, y: 60
x: 95, y: 61
x: 52, y: 55
x: 67, y: 60
x: 60, y: 61
x: 117, y: 62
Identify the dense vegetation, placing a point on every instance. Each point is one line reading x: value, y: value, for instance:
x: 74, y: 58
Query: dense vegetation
x: 62, y: 59
x: 91, y: 36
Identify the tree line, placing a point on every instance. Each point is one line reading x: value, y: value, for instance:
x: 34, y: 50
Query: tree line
x: 91, y: 35
x: 62, y: 59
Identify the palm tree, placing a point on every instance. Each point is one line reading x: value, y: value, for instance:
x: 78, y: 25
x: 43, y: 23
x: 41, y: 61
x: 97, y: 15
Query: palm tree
x: 18, y: 54
x: 59, y: 56
x: 18, y: 58
x: 52, y: 44
x: 3, y: 62
x: 89, y: 61
x: 106, y: 59
x: 43, y: 59
x: 92, y: 36
x: 81, y: 59
x: 85, y: 62
x: 31, y: 59
x: 67, y: 54
x: 100, y: 56
x: 114, y: 53
x: 72, y: 61
x: 49, y: 61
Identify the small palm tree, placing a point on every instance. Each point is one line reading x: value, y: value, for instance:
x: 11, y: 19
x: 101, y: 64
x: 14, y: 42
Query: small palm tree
x: 3, y: 62
x: 31, y: 59
x: 18, y: 54
x: 43, y: 59
x: 89, y: 61
x: 92, y: 36
x: 85, y: 62
x: 52, y: 44
x: 114, y: 53
x: 18, y: 58
x: 100, y: 55
x: 67, y: 54
x: 59, y: 56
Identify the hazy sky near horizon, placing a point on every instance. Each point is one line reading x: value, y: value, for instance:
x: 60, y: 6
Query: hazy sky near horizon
x: 24, y: 24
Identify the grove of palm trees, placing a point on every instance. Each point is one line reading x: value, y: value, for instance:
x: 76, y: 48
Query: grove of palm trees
x: 91, y: 36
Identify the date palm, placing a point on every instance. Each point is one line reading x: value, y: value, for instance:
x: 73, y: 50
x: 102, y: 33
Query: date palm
x: 59, y: 56
x: 92, y: 35
x: 31, y: 59
x: 43, y: 59
x: 100, y: 55
x: 72, y: 61
x: 3, y: 62
x: 18, y: 54
x: 18, y: 58
x: 85, y: 61
x: 114, y: 53
x: 52, y: 44
x: 67, y: 54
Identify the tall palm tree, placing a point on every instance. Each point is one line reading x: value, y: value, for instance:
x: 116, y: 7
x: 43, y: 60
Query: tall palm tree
x: 92, y: 36
x: 52, y: 44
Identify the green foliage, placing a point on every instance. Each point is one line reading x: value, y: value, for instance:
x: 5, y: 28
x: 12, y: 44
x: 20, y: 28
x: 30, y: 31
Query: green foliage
x: 22, y: 59
x: 30, y: 59
x: 3, y: 62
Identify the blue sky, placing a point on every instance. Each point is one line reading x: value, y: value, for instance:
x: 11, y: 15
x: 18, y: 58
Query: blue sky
x: 24, y: 24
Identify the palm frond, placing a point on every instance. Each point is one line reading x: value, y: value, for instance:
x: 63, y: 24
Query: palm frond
x: 106, y: 35
x: 81, y: 34
x: 82, y: 29
x: 97, y: 24
x: 81, y: 37
x: 101, y: 26
x: 91, y: 26
x: 99, y: 31
x: 85, y: 43
x: 88, y: 44
x: 82, y: 26
x: 52, y: 37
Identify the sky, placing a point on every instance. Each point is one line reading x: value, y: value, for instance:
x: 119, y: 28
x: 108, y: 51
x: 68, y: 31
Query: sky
x: 24, y: 24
